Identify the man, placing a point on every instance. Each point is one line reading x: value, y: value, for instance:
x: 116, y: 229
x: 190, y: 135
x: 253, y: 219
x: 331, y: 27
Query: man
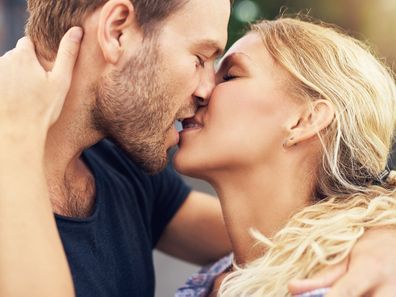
x: 141, y: 66
x: 137, y: 72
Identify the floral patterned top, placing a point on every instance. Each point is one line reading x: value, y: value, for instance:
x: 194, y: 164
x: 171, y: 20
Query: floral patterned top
x: 200, y: 284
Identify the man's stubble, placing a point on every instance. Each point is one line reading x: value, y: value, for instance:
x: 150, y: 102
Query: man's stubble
x: 133, y: 108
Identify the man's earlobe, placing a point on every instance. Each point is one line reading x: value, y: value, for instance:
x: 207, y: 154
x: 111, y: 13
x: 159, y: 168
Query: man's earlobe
x: 314, y: 120
x: 116, y: 17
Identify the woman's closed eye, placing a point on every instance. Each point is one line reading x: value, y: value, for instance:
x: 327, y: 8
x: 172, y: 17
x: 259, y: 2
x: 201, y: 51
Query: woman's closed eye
x: 228, y: 77
x: 231, y: 75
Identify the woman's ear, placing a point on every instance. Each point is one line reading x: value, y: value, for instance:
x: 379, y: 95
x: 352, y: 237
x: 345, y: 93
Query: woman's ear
x: 317, y: 117
x: 116, y: 18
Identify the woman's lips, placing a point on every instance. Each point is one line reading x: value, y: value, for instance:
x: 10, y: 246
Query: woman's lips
x: 190, y: 124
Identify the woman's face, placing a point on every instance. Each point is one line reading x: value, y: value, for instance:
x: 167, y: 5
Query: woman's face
x: 245, y: 123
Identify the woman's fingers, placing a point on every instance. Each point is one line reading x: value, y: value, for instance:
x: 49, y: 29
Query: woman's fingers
x: 62, y: 71
x: 326, y: 278
x: 67, y: 55
x: 30, y: 93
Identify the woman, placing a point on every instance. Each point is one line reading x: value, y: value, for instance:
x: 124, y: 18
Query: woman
x: 295, y: 141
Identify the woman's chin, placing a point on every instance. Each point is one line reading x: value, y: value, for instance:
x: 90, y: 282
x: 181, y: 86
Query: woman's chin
x: 185, y: 165
x: 180, y: 164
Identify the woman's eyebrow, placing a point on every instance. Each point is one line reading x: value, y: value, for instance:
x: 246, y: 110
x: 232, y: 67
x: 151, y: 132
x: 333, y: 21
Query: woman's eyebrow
x: 233, y: 58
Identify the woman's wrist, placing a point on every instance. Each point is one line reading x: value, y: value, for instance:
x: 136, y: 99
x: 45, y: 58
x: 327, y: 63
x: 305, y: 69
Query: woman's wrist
x: 22, y: 154
x: 26, y: 139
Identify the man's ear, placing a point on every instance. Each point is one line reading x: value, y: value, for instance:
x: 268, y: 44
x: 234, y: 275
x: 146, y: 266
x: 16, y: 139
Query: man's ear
x: 117, y: 17
x: 313, y: 120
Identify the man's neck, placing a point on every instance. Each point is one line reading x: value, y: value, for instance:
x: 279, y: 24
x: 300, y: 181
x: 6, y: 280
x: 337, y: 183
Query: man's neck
x: 68, y: 178
x: 70, y: 182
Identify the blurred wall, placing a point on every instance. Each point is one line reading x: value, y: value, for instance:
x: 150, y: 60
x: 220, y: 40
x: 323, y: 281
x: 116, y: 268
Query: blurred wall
x: 12, y: 20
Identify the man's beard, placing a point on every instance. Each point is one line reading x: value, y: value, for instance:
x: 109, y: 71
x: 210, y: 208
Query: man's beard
x: 133, y: 108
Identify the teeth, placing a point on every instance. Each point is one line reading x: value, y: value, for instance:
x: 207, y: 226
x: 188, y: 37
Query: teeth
x: 178, y: 125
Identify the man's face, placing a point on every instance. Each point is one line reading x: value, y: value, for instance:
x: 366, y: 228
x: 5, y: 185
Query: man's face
x: 137, y: 106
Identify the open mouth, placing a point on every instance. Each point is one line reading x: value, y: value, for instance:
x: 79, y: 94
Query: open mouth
x: 191, y: 123
x: 178, y: 125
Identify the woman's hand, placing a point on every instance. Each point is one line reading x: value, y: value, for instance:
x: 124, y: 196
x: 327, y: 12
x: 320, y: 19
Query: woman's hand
x: 370, y: 270
x: 32, y: 259
x: 31, y: 98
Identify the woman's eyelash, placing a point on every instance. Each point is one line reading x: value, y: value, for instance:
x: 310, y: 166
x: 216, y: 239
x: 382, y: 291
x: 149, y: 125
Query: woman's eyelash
x: 228, y: 77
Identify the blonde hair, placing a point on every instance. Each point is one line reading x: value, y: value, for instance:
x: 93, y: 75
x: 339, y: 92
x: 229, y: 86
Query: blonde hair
x: 324, y: 63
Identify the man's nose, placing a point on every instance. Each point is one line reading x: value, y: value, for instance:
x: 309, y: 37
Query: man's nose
x: 205, y: 88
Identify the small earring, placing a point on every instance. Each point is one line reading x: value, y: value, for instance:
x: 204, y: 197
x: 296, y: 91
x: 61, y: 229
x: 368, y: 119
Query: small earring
x: 286, y: 144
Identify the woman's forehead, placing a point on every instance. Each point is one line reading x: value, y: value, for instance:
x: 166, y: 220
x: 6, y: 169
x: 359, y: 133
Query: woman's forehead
x: 249, y: 49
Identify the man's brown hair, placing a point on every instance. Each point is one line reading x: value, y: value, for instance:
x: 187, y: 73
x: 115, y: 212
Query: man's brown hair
x: 49, y: 20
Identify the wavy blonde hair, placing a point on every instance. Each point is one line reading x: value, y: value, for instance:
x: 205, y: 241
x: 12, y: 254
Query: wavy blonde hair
x: 324, y: 63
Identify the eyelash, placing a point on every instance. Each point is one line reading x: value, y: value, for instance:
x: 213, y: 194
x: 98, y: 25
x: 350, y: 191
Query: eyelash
x: 200, y: 62
x: 228, y: 77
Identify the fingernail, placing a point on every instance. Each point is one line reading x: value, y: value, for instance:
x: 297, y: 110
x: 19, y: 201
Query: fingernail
x: 76, y: 34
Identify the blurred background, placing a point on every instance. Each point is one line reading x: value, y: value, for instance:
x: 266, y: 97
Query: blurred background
x: 373, y: 21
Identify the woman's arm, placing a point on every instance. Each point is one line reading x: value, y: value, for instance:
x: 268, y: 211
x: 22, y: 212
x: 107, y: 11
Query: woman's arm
x: 32, y: 260
x: 370, y: 269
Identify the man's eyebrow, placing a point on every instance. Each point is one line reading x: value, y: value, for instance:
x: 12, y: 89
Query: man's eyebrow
x: 211, y: 45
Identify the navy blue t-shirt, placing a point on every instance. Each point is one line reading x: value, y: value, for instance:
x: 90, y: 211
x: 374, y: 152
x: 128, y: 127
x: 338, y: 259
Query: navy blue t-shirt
x: 110, y: 252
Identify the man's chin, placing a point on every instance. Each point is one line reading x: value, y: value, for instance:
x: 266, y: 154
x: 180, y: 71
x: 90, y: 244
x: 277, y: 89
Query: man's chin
x: 154, y: 167
x: 151, y: 158
x: 151, y: 163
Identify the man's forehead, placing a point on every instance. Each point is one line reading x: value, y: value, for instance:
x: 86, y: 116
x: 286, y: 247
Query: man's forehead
x: 208, y: 18
x: 203, y: 24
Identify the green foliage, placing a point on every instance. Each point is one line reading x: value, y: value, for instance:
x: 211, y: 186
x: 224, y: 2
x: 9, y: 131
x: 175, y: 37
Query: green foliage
x: 265, y: 9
